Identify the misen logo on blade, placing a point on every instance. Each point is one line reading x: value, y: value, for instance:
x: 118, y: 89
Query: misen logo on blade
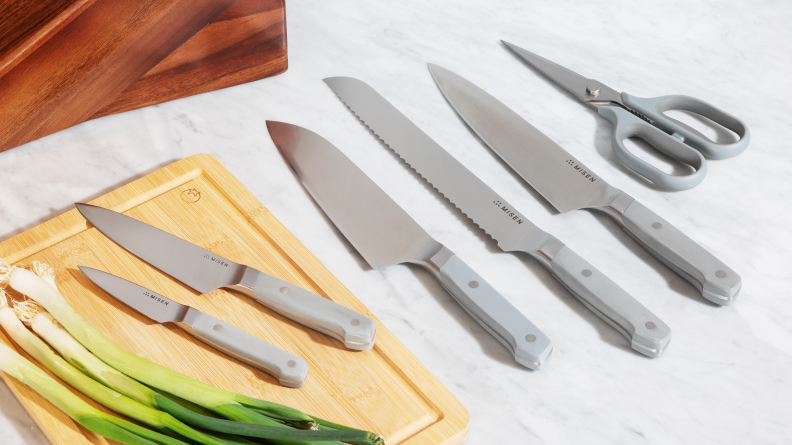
x: 156, y: 298
x: 508, y: 212
x: 577, y: 167
x: 216, y: 260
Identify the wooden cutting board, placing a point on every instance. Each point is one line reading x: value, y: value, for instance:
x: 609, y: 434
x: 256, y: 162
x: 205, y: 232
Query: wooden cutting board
x: 386, y: 389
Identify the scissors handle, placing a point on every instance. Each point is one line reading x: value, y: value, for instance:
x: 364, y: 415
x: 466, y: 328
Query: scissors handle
x: 655, y: 107
x: 627, y: 125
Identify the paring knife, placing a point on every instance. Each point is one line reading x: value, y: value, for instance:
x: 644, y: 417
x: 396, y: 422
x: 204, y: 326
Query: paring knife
x: 288, y: 369
x: 570, y: 185
x: 205, y: 271
x: 385, y: 234
x: 513, y: 231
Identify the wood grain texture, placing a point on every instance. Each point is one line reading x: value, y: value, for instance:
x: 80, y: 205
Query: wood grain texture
x: 96, y: 56
x: 385, y: 389
x: 27, y: 24
x: 246, y: 43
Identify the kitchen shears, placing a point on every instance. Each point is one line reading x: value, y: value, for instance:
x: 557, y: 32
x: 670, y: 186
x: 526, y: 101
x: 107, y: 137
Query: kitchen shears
x: 644, y: 118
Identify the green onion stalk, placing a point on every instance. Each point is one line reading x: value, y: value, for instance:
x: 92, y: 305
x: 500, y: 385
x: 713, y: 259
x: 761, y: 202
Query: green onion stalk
x: 89, y: 417
x: 93, y: 389
x: 238, y: 408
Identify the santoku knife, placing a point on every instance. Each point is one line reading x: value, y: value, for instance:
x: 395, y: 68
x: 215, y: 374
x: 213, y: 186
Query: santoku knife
x: 288, y: 369
x: 384, y: 234
x: 513, y: 231
x: 205, y: 271
x: 570, y: 185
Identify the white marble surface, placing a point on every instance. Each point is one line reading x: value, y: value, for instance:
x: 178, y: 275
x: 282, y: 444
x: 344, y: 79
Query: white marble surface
x: 726, y: 377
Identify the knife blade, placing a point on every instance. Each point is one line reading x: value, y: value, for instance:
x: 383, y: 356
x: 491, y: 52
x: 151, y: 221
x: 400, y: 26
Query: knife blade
x: 290, y: 370
x: 205, y: 271
x: 384, y: 234
x: 569, y: 185
x: 511, y: 229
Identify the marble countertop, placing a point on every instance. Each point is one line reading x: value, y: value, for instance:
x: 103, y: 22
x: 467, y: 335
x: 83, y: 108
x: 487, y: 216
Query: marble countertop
x: 726, y: 377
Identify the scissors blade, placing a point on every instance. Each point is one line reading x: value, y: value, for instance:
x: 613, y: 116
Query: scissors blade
x: 587, y: 90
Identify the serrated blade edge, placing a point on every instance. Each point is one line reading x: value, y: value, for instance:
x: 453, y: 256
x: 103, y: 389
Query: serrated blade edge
x: 491, y: 212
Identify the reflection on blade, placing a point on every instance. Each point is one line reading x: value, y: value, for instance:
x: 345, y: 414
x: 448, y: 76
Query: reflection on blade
x: 380, y: 230
x: 198, y: 268
x: 551, y: 170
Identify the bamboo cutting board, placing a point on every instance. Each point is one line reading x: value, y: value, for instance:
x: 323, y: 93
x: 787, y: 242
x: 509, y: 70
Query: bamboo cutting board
x: 386, y: 389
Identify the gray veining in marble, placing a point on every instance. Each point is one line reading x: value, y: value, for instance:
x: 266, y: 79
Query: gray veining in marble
x: 726, y: 377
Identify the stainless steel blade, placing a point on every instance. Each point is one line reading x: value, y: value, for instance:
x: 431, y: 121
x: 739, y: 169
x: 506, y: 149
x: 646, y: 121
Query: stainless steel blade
x: 149, y: 303
x: 380, y: 230
x: 198, y: 268
x: 590, y: 91
x: 551, y: 170
x: 470, y: 194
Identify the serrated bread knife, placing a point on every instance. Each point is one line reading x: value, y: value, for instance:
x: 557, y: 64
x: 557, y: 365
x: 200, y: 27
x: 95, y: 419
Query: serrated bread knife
x: 570, y: 185
x: 384, y: 234
x: 288, y: 369
x: 205, y: 271
x: 513, y: 231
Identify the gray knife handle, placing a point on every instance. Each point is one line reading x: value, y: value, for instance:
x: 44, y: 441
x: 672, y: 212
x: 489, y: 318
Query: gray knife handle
x: 355, y: 330
x: 530, y: 346
x: 290, y: 370
x: 646, y: 332
x: 716, y: 281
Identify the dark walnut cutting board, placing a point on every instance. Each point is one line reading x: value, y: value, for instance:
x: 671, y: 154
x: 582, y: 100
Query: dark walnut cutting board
x: 63, y: 62
x: 386, y: 389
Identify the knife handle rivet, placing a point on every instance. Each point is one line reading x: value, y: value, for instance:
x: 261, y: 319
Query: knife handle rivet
x: 720, y: 274
x: 284, y: 290
x: 650, y: 325
x: 473, y: 284
x: 354, y: 322
x: 586, y: 273
x: 530, y: 338
x: 218, y: 327
x: 291, y: 363
x: 657, y: 226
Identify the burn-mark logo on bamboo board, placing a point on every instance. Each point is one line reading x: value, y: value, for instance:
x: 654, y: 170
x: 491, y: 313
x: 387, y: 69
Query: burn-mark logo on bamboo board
x: 191, y: 196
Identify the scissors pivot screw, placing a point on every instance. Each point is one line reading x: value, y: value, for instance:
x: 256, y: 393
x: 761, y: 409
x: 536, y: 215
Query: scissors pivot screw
x: 593, y: 89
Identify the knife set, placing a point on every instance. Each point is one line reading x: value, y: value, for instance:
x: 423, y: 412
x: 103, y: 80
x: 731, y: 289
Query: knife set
x: 204, y: 272
x: 384, y: 234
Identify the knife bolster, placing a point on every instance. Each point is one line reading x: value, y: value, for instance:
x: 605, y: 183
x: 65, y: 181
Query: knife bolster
x: 547, y: 252
x: 614, y: 204
x: 436, y: 261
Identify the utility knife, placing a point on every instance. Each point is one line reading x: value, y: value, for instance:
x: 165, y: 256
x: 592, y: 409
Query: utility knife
x: 288, y: 369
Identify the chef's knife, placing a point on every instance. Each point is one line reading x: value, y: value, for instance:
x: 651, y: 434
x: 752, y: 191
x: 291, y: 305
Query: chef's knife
x: 570, y: 185
x: 205, y: 271
x: 513, y: 231
x: 288, y: 369
x: 384, y: 234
